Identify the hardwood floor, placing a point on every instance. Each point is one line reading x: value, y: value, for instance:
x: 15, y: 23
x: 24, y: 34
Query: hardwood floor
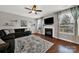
x: 60, y: 46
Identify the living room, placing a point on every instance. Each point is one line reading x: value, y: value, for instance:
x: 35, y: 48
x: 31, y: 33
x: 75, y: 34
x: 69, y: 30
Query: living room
x: 57, y: 28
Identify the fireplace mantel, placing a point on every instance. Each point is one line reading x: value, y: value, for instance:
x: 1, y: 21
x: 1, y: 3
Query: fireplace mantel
x: 48, y: 26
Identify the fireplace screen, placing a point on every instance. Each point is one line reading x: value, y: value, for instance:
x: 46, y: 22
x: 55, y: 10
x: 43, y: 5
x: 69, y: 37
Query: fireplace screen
x: 48, y: 32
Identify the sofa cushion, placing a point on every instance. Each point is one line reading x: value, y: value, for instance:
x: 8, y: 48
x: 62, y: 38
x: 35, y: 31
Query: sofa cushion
x: 19, y: 30
x: 6, y: 31
x: 2, y: 33
x: 11, y: 46
x: 27, y: 33
x: 21, y: 34
x: 9, y: 37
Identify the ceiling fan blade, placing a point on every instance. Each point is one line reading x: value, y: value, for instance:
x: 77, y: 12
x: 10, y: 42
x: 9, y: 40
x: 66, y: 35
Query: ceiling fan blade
x: 28, y: 8
x: 36, y: 13
x: 30, y: 12
x: 39, y: 10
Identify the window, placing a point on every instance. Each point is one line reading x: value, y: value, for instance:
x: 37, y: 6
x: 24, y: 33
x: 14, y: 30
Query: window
x: 66, y: 23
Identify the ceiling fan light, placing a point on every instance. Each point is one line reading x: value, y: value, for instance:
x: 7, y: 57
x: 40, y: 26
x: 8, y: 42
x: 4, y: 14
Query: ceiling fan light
x: 33, y: 11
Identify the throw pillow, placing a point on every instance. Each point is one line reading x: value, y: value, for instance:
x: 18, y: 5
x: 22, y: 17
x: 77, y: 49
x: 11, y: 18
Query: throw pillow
x: 11, y: 31
x: 7, y: 31
x: 1, y: 41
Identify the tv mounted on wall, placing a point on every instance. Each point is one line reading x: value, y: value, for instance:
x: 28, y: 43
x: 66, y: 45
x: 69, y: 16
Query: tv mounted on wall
x: 49, y: 21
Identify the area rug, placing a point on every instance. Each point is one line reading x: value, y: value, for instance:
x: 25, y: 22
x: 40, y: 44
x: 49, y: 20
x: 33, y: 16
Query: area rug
x: 31, y: 44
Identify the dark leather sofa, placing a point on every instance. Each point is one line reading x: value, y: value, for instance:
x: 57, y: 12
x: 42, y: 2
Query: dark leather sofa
x: 10, y: 38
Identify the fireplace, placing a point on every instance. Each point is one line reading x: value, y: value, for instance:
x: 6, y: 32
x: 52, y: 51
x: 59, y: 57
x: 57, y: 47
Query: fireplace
x: 48, y: 32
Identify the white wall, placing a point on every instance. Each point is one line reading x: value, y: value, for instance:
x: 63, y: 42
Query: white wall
x: 53, y: 26
x: 7, y: 17
x: 78, y: 25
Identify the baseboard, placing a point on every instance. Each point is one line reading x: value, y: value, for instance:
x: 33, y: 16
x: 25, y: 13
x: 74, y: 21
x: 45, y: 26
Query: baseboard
x: 67, y: 40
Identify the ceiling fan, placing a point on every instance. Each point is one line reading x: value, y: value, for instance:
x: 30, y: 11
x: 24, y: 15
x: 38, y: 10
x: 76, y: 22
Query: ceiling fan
x: 33, y: 9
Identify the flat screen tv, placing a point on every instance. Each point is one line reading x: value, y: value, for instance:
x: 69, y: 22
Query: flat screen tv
x: 49, y: 21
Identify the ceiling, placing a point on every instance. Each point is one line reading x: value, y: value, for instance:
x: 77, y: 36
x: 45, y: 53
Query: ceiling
x: 46, y: 9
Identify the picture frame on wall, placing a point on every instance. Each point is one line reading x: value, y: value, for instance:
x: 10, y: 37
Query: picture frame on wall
x: 23, y: 23
x: 11, y: 23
